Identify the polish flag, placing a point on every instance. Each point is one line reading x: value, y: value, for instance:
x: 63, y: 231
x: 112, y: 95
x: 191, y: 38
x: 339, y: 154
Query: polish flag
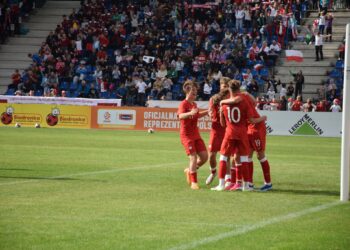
x: 245, y: 76
x: 294, y: 55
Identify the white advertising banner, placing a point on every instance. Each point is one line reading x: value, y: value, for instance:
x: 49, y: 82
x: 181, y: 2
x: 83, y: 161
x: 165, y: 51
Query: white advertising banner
x: 59, y: 100
x: 326, y: 124
x: 116, y: 117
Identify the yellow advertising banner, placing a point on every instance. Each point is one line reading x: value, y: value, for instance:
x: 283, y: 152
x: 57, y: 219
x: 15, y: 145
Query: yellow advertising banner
x: 45, y: 115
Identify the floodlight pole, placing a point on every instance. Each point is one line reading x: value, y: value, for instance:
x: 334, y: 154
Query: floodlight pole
x: 345, y: 144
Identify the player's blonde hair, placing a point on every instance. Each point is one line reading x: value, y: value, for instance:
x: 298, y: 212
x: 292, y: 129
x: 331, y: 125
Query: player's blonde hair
x: 189, y: 85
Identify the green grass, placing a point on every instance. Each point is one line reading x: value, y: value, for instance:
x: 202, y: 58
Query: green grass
x: 91, y: 189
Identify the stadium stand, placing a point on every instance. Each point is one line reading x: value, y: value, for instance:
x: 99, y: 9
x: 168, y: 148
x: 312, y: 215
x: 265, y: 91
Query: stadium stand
x: 112, y: 46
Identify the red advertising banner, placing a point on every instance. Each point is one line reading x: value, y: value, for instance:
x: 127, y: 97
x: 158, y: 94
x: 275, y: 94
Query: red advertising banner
x: 161, y: 119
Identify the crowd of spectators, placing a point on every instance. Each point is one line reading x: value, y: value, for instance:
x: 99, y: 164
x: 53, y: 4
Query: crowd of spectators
x: 12, y: 13
x: 141, y: 50
x: 138, y: 50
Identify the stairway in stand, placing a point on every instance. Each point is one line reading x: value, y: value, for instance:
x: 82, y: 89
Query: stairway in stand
x: 13, y: 54
x: 315, y: 72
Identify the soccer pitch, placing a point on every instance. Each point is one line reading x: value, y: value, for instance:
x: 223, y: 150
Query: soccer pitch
x: 93, y: 189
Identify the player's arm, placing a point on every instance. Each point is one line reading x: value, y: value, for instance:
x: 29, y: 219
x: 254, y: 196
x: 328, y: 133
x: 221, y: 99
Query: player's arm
x: 231, y: 100
x: 257, y: 120
x: 203, y: 113
x: 188, y: 115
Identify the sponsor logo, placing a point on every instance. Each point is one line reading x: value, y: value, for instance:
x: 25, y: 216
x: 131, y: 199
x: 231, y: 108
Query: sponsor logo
x: 306, y: 126
x: 126, y: 117
x: 52, y: 118
x: 7, y: 116
x: 269, y: 129
x: 107, y: 117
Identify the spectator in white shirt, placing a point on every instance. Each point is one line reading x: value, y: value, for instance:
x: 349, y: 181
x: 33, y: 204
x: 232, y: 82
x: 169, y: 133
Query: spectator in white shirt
x: 274, y: 47
x: 283, y: 90
x: 162, y: 72
x: 335, y: 107
x: 271, y: 93
x: 319, y: 46
x: 179, y: 64
x: 321, y: 23
x: 141, y: 87
x: 207, y: 88
x: 239, y: 14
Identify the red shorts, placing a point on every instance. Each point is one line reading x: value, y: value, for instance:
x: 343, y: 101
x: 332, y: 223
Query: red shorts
x: 231, y: 146
x: 257, y: 140
x: 193, y: 146
x: 215, y: 140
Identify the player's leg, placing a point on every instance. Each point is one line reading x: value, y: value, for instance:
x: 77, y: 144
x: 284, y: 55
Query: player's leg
x: 224, y: 152
x: 236, y: 173
x: 251, y: 168
x: 193, y: 171
x: 215, y: 141
x: 266, y: 171
x: 222, y: 173
x: 243, y: 149
x: 228, y: 179
x: 202, y: 152
x: 212, y: 163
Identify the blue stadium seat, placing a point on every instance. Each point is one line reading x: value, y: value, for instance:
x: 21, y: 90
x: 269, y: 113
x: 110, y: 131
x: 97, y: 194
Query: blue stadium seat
x: 38, y: 92
x: 73, y: 86
x: 64, y: 85
x: 104, y: 95
x: 250, y: 63
x: 339, y: 64
x: 264, y: 72
x: 335, y: 74
x: 181, y: 80
x: 176, y: 90
x: 10, y: 92
x: 254, y: 72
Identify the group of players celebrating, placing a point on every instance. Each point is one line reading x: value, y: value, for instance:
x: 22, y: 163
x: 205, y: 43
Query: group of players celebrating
x: 237, y: 131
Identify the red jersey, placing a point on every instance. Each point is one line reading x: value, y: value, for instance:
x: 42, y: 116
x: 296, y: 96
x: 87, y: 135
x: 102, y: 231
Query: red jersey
x: 236, y: 117
x: 215, y: 117
x: 297, y: 105
x: 253, y: 127
x: 188, y: 127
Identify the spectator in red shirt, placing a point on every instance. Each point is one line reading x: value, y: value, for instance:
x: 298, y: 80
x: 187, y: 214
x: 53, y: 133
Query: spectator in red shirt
x: 16, y: 79
x: 321, y: 106
x: 297, y: 104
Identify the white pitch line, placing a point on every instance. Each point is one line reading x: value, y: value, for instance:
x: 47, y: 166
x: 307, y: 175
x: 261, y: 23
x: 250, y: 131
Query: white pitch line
x: 253, y: 227
x: 92, y: 173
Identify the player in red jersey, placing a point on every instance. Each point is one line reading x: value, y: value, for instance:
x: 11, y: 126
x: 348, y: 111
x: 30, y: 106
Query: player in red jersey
x: 188, y: 114
x: 235, y: 116
x: 217, y: 132
x: 257, y: 140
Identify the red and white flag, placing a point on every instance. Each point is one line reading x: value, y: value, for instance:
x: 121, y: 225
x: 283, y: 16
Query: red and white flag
x: 294, y: 55
x: 245, y: 76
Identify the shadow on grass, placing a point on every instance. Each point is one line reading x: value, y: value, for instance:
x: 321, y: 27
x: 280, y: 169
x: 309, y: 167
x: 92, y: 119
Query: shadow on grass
x: 306, y: 192
x: 39, y: 178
